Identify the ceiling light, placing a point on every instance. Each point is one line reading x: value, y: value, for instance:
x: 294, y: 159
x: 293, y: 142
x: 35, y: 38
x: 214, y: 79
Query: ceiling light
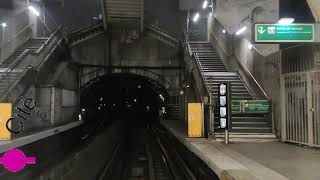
x: 286, y: 21
x: 196, y: 17
x: 205, y: 4
x: 242, y: 30
x: 34, y: 11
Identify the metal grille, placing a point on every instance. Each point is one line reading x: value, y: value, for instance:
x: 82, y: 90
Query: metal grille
x: 173, y: 103
x: 296, y: 108
x: 300, y: 58
x: 315, y: 76
x: 302, y: 111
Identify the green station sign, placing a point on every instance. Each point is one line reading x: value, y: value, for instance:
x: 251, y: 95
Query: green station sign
x: 250, y: 106
x: 266, y: 33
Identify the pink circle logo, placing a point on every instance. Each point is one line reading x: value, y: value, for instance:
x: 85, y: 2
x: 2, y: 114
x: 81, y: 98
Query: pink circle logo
x: 15, y: 160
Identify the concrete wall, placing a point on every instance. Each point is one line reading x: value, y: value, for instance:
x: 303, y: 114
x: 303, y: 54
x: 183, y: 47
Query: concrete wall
x: 92, y: 51
x: 17, y: 18
x: 231, y: 12
x: 144, y: 52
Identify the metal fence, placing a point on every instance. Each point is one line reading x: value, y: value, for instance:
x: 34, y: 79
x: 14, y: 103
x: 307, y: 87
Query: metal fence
x: 300, y: 58
x: 302, y: 107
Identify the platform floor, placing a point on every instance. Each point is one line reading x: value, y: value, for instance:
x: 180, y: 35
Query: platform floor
x: 264, y: 160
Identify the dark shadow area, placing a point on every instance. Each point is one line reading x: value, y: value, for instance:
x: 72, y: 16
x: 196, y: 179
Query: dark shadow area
x: 125, y: 97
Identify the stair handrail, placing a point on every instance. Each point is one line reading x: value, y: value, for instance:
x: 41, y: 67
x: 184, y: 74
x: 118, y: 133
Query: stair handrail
x: 11, y: 86
x: 18, y: 60
x: 87, y: 28
x: 14, y: 64
x: 162, y: 32
x: 48, y: 41
x: 197, y: 59
x: 246, y: 71
x: 14, y: 37
x: 194, y: 56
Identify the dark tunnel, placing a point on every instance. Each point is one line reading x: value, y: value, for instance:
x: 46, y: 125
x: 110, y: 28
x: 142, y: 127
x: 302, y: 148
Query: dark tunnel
x: 133, y: 98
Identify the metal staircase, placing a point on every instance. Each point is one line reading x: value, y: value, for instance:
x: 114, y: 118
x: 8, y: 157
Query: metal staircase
x: 30, y: 56
x: 161, y: 35
x: 125, y: 13
x: 173, y: 104
x: 215, y: 72
x: 86, y: 33
x: 11, y: 78
x: 32, y: 45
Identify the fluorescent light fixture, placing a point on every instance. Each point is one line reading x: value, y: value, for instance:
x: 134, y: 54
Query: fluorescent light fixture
x: 223, y: 31
x: 205, y: 4
x: 34, y: 11
x: 250, y: 46
x: 196, y: 17
x: 4, y: 25
x: 286, y: 21
x: 242, y: 30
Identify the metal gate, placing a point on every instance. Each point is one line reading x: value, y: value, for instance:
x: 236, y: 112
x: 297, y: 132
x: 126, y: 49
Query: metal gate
x: 301, y: 95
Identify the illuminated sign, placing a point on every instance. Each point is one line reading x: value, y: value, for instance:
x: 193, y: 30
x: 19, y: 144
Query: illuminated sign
x: 265, y: 33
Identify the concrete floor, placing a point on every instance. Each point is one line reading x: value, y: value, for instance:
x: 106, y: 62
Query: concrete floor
x: 264, y: 160
x: 297, y: 163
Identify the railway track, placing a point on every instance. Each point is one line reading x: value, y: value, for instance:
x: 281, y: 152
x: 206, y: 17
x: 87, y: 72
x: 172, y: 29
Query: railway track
x: 147, y: 155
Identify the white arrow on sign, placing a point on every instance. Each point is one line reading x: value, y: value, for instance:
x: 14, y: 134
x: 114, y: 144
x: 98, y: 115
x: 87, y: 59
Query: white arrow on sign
x: 261, y: 30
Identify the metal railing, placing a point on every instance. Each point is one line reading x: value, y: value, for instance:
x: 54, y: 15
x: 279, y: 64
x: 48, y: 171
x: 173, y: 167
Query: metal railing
x: 10, y: 42
x: 301, y: 97
x: 162, y: 32
x: 35, y: 59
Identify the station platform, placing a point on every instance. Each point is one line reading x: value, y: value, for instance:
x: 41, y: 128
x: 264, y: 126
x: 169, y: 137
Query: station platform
x: 251, y: 160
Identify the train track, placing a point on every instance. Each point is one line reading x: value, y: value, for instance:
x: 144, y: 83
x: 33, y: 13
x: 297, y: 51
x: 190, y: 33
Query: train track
x: 146, y: 154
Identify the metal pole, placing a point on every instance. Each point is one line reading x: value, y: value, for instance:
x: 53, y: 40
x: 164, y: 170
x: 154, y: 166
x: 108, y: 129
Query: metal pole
x: 2, y: 44
x: 226, y: 136
x: 283, y: 103
x: 44, y: 21
x: 228, y: 113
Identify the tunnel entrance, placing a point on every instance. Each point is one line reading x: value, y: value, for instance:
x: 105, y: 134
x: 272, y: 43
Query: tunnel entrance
x: 123, y: 95
x: 144, y: 150
x: 134, y: 101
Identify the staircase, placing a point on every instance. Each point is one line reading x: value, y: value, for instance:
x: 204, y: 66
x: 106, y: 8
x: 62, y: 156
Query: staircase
x: 31, y: 45
x: 18, y: 69
x: 87, y: 33
x: 214, y: 73
x: 125, y: 13
x: 161, y: 35
x: 173, y: 105
x: 11, y: 77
